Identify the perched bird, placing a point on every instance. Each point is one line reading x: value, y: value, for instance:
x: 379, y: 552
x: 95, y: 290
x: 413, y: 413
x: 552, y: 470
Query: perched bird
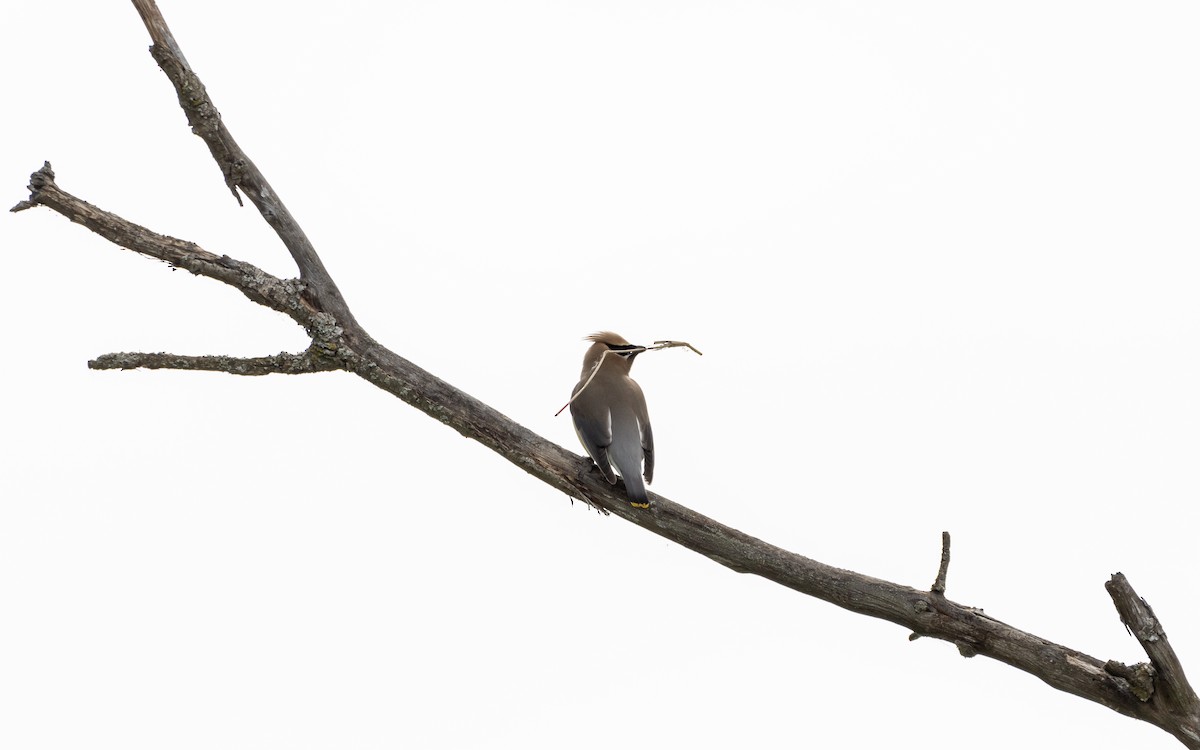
x: 610, y: 415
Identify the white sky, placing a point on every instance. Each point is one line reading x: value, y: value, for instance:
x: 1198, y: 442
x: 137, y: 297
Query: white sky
x: 941, y: 259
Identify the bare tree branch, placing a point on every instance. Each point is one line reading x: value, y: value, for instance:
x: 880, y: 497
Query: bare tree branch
x: 939, y: 583
x: 239, y: 171
x: 1168, y: 690
x: 283, y: 363
x: 255, y: 283
x: 1157, y: 692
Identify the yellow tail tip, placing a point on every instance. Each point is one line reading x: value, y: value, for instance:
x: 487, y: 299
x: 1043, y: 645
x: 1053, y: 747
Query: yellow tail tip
x: 639, y: 505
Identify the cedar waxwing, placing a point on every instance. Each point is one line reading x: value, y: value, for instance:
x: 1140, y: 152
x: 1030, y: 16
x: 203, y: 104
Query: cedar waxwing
x: 610, y: 415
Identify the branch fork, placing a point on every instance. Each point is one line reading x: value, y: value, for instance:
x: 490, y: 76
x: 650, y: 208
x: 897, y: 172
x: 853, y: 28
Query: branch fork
x: 1157, y: 692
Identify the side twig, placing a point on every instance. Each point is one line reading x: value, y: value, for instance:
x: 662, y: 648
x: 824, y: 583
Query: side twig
x: 283, y: 295
x: 314, y: 302
x: 283, y: 363
x: 939, y: 583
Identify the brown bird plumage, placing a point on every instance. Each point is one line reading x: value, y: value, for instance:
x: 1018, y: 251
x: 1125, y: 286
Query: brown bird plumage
x: 610, y: 415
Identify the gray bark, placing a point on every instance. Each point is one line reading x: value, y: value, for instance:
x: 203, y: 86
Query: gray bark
x: 1156, y: 691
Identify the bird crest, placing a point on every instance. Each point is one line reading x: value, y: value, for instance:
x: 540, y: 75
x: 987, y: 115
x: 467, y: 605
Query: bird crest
x: 608, y: 338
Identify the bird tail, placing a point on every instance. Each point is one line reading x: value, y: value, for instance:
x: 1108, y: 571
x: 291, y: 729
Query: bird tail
x: 636, y: 489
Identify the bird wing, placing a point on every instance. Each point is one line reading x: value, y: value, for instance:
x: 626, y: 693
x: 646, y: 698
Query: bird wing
x: 643, y: 417
x: 648, y: 452
x: 593, y: 425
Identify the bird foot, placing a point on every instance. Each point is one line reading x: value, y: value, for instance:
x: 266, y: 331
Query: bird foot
x: 602, y: 511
